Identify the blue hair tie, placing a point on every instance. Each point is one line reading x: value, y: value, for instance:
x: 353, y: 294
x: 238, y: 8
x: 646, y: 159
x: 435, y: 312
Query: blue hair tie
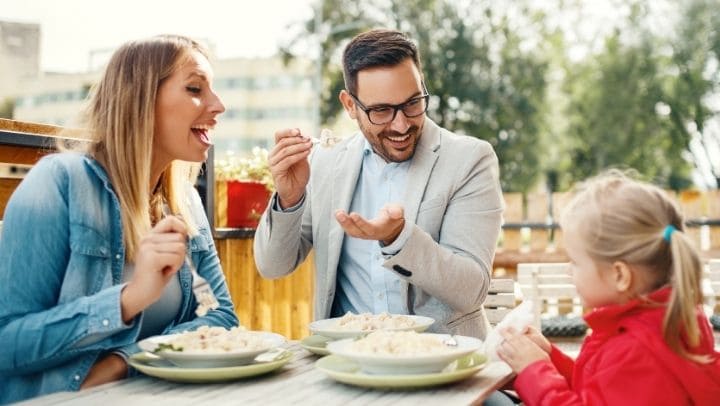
x: 669, y: 229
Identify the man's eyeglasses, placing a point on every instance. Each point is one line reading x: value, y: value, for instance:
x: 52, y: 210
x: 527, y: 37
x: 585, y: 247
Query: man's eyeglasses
x: 386, y: 113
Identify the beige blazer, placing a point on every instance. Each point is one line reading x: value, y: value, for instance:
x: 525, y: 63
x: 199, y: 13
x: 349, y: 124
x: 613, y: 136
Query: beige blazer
x: 453, y: 211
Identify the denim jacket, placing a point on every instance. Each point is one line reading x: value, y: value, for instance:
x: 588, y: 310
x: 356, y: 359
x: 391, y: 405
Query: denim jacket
x: 61, y: 264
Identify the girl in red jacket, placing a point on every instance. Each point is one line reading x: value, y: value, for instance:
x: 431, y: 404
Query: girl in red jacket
x: 636, y: 269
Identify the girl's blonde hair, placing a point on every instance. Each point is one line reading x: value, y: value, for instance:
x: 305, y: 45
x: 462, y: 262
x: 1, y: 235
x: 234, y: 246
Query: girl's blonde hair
x: 621, y: 219
x: 120, y: 120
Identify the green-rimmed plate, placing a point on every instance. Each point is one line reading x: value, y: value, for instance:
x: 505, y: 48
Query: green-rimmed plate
x: 316, y: 344
x: 197, y: 358
x: 153, y: 365
x: 346, y: 371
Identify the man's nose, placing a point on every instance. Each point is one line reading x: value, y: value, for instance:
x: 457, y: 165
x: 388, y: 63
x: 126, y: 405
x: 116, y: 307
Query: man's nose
x: 400, y: 123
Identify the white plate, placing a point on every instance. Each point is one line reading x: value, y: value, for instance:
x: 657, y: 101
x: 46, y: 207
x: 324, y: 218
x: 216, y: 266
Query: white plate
x: 210, y: 360
x: 329, y: 327
x: 153, y: 365
x: 384, y: 364
x: 346, y: 371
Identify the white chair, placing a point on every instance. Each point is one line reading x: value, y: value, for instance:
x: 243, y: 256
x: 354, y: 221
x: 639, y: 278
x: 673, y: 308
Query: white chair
x: 711, y: 286
x: 549, y: 286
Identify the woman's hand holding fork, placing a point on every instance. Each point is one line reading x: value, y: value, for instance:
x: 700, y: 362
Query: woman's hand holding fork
x: 160, y: 255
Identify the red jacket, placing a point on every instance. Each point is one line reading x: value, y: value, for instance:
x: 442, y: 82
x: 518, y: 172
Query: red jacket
x: 625, y: 361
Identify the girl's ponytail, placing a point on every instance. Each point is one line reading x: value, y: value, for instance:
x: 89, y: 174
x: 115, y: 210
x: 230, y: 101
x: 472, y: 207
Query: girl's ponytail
x: 681, y: 315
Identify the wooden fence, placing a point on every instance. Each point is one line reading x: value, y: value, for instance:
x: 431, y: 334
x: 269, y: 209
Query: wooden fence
x: 283, y: 305
x: 531, y: 232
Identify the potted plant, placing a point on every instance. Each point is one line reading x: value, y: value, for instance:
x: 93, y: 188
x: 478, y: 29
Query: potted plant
x: 247, y: 184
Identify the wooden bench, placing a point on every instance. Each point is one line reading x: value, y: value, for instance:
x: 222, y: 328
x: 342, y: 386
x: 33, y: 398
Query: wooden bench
x: 500, y: 300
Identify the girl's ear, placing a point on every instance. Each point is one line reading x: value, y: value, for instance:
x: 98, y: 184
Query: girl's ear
x: 622, y: 276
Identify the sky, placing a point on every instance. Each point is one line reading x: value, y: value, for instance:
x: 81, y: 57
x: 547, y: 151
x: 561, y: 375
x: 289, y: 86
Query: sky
x: 73, y: 29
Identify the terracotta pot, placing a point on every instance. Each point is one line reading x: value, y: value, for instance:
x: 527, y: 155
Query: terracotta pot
x: 246, y: 202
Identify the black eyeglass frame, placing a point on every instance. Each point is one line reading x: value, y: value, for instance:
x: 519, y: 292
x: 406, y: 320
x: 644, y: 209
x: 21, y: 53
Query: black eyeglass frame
x: 395, y: 107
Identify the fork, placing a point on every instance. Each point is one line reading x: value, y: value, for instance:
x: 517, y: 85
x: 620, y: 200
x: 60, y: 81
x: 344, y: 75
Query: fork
x: 202, y: 290
x: 326, y: 140
x: 200, y: 286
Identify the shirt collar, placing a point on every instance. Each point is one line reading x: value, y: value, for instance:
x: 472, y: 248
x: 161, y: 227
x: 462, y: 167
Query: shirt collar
x: 99, y: 170
x: 380, y: 161
x: 370, y: 157
x: 367, y: 148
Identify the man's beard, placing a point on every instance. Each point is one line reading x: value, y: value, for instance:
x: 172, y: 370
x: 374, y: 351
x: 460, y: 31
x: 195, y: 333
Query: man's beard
x: 379, y: 147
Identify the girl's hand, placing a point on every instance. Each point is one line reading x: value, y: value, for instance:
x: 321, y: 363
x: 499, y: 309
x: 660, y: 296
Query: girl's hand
x: 536, y: 336
x: 160, y: 255
x: 519, y: 351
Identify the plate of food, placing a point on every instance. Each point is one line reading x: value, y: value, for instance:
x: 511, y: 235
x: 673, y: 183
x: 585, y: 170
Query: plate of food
x: 349, y: 372
x: 355, y: 325
x: 212, y: 347
x: 404, y: 352
x: 153, y: 365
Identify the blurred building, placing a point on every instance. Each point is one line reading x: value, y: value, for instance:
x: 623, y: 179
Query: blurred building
x: 262, y: 96
x: 53, y: 98
x: 19, y: 56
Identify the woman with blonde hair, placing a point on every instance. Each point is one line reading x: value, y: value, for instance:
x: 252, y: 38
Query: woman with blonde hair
x: 638, y: 272
x: 91, y: 260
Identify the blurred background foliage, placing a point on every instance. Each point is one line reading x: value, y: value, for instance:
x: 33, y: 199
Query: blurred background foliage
x: 560, y: 97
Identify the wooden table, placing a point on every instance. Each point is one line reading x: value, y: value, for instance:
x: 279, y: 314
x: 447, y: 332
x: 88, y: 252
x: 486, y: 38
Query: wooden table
x: 298, y: 382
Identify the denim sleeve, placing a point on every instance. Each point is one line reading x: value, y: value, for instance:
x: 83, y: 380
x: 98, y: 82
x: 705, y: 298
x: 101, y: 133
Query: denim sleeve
x: 36, y: 332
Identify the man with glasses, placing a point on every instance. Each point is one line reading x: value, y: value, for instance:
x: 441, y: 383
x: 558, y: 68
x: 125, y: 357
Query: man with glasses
x: 403, y: 216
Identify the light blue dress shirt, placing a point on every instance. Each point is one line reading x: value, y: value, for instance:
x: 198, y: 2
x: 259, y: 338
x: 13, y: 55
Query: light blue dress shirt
x: 363, y: 284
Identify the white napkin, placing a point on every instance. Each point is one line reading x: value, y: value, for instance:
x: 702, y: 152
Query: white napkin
x: 518, y: 318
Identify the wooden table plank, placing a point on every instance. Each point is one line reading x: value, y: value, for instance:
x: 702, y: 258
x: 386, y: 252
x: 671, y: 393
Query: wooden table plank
x: 297, y: 383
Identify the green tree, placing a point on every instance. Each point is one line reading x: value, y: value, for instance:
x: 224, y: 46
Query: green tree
x: 695, y: 59
x: 617, y: 109
x: 485, y: 78
x: 614, y: 120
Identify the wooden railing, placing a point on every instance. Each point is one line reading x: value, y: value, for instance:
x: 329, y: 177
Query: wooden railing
x: 24, y: 144
x: 531, y: 232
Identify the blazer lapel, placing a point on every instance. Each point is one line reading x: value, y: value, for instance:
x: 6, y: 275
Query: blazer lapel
x: 420, y: 169
x: 418, y: 176
x: 348, y: 162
